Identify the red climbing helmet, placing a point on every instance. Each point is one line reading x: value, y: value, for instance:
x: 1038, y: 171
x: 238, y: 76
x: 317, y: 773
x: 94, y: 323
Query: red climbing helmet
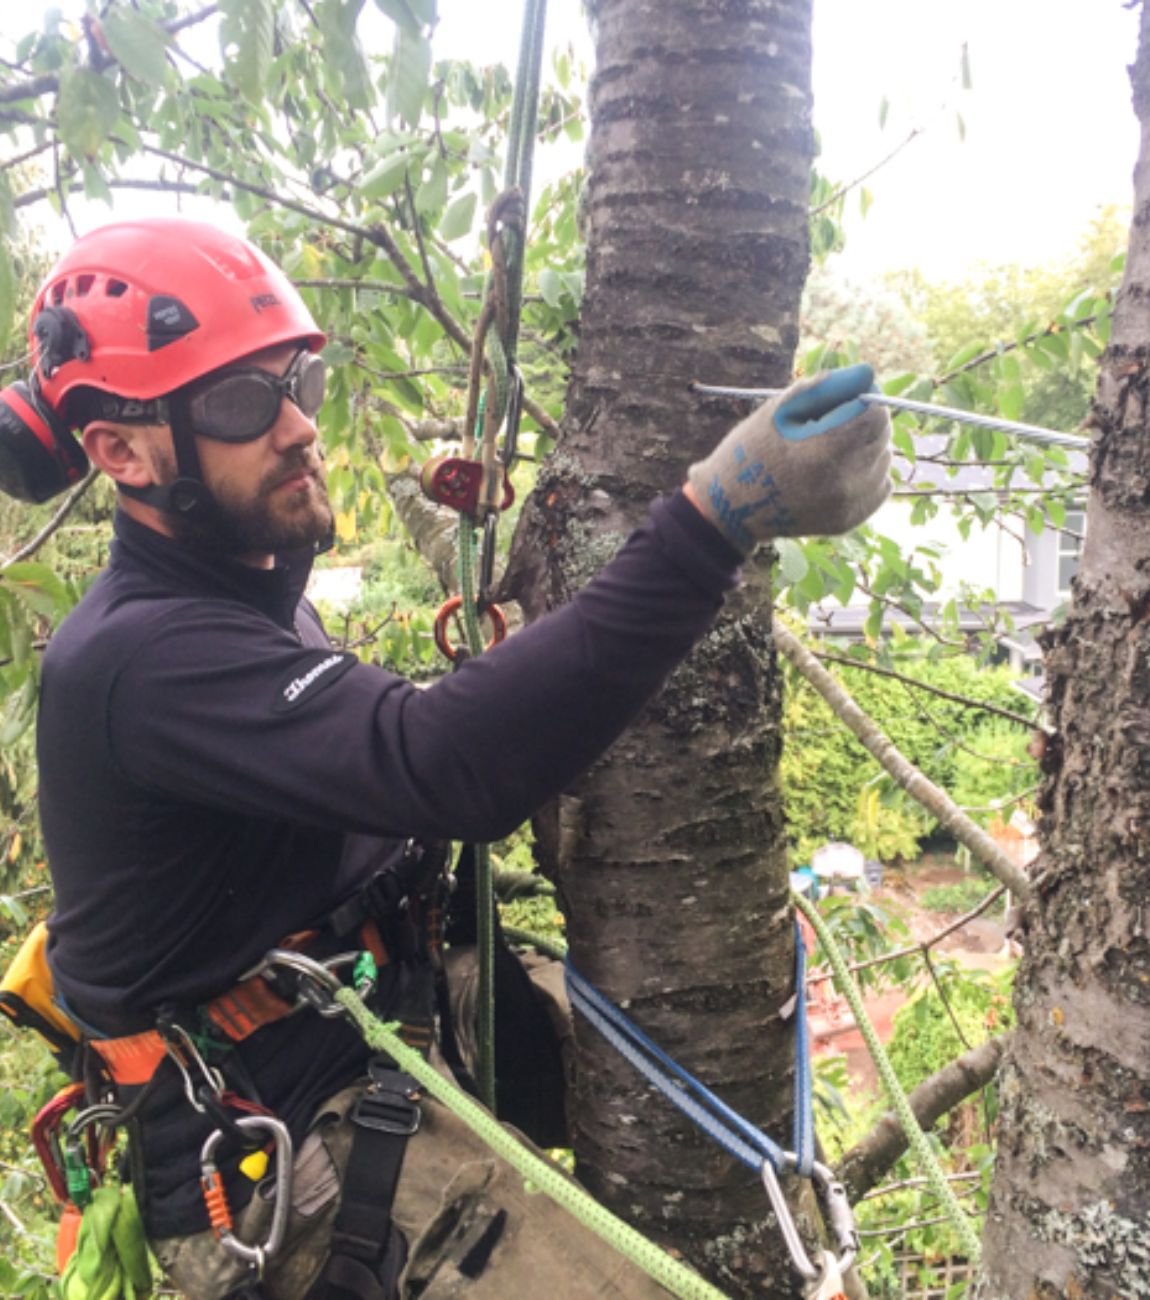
x: 137, y: 309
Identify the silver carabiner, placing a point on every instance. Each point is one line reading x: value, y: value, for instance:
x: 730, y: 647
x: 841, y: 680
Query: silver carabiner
x: 840, y: 1219
x: 216, y: 1198
x: 212, y: 1078
x: 318, y: 982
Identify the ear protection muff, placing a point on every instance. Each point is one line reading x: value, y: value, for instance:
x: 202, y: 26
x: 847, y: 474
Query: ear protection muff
x: 39, y: 457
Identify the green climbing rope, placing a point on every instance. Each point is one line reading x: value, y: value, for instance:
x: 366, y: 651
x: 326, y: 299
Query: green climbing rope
x: 484, y: 881
x: 500, y: 345
x: 538, y: 1172
x: 906, y: 1117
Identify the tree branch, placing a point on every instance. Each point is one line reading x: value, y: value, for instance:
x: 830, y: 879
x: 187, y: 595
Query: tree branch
x: 45, y: 85
x: 30, y: 197
x: 69, y: 504
x: 862, y: 1167
x: 1055, y: 327
x: 937, y: 802
x: 844, y: 190
x: 923, y: 948
x: 825, y: 656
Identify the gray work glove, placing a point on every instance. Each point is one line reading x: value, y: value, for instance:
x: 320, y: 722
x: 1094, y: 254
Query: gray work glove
x: 812, y: 461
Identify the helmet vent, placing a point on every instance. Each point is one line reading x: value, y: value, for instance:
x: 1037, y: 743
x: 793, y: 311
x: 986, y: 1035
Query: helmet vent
x: 116, y: 289
x: 84, y: 285
x: 58, y: 292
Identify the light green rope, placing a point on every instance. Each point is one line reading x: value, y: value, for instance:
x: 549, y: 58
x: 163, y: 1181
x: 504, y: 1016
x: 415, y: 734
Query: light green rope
x: 915, y: 1137
x: 537, y: 1172
x: 548, y: 946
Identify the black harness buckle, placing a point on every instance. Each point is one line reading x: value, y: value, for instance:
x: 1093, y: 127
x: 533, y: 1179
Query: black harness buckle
x: 390, y: 1104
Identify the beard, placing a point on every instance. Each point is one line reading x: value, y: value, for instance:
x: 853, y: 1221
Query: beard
x: 266, y: 521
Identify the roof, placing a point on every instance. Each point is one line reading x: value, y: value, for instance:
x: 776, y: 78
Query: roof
x: 849, y: 621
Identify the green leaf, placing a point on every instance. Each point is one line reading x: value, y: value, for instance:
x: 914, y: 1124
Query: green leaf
x: 402, y: 13
x: 138, y: 44
x: 960, y: 122
x: 41, y: 589
x: 551, y: 287
x: 792, y: 561
x: 342, y: 52
x: 410, y: 72
x: 432, y: 193
x: 338, y: 354
x: 95, y: 186
x: 883, y: 112
x: 7, y: 206
x: 247, y: 36
x: 86, y: 110
x: 1010, y: 401
x: 458, y: 217
x: 964, y: 355
x: 7, y: 296
x: 386, y: 177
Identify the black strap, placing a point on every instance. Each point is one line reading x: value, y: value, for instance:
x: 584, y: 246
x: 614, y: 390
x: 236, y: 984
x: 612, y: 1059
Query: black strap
x: 367, y: 1251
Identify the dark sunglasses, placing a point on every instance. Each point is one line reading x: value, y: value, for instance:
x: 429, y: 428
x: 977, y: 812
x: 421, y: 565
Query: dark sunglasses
x: 241, y: 405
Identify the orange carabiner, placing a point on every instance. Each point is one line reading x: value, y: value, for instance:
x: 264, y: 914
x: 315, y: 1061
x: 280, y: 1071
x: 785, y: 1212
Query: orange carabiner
x: 452, y: 606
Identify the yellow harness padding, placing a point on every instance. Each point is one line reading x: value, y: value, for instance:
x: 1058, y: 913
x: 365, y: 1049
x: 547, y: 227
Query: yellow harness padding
x: 111, y: 1257
x: 26, y: 993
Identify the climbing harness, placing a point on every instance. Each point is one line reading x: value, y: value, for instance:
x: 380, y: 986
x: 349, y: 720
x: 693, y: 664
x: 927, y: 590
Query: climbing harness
x: 1028, y: 432
x: 537, y: 1171
x: 396, y: 918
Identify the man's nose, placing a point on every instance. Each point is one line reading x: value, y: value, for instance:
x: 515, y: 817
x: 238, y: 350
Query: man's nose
x: 292, y: 428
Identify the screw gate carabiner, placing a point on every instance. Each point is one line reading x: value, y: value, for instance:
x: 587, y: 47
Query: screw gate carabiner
x: 216, y: 1198
x: 487, y: 562
x: 213, y: 1080
x: 510, y: 447
x: 836, y: 1208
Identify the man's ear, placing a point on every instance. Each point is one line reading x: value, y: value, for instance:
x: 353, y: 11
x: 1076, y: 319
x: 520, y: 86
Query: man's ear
x: 122, y: 451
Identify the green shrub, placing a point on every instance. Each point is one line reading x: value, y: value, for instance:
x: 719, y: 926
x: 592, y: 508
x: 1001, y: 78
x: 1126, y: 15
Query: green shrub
x: 962, y: 896
x: 830, y: 781
x: 925, y: 1038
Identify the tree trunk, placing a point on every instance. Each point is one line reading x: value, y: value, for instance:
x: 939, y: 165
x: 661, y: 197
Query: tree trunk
x: 670, y: 855
x: 1070, y: 1211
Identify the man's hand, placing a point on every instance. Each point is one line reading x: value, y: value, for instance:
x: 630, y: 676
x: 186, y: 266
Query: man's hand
x: 813, y: 461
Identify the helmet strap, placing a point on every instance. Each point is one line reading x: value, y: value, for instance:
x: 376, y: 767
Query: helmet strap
x: 187, y: 494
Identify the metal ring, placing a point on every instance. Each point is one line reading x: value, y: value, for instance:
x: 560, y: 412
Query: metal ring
x: 451, y: 607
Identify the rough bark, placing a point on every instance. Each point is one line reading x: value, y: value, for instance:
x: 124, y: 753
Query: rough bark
x: 1070, y: 1211
x: 669, y: 856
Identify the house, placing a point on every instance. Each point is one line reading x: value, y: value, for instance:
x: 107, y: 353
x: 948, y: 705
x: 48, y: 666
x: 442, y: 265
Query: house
x: 1029, y: 573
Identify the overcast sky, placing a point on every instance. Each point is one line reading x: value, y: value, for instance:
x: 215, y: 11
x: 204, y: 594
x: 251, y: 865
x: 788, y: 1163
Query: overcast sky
x: 1049, y: 131
x: 1050, y: 135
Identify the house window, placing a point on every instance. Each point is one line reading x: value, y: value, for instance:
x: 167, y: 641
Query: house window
x: 1070, y: 549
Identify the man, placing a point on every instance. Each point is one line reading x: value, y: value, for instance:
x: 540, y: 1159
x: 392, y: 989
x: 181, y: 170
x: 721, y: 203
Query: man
x: 214, y: 777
